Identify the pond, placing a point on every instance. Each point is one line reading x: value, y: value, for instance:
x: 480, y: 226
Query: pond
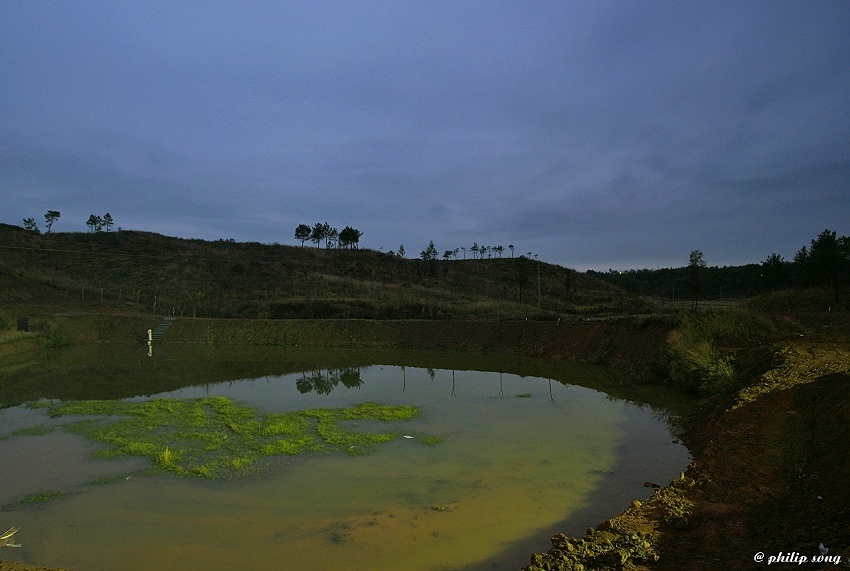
x: 504, y: 453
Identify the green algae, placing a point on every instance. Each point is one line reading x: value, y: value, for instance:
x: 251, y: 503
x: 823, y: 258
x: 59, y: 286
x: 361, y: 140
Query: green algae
x: 215, y: 437
x: 34, y: 499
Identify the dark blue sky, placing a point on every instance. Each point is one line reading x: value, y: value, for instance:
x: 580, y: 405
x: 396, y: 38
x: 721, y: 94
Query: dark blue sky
x: 596, y: 134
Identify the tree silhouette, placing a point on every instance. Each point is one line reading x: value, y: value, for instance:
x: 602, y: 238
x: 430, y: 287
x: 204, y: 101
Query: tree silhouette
x: 773, y: 271
x: 827, y: 261
x: 331, y: 236
x: 51, y: 217
x: 429, y: 253
x: 107, y: 221
x: 303, y: 233
x: 430, y: 256
x: 320, y: 233
x: 95, y: 223
x: 696, y: 263
x: 349, y: 237
x: 29, y: 224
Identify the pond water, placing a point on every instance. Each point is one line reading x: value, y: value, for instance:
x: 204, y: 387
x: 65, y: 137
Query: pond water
x: 520, y: 457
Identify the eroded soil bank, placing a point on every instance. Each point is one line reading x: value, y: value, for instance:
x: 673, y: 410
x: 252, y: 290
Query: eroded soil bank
x: 771, y: 461
x: 769, y: 479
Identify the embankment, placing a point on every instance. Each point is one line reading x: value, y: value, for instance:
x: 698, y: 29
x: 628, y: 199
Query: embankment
x: 628, y: 344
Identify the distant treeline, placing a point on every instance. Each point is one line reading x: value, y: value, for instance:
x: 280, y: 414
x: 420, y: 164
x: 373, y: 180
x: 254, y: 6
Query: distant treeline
x: 826, y: 262
x: 674, y: 283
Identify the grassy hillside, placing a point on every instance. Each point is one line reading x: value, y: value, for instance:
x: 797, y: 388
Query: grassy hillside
x: 150, y: 273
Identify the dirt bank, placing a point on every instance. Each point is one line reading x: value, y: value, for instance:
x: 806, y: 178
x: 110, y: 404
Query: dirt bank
x: 627, y: 344
x: 769, y: 477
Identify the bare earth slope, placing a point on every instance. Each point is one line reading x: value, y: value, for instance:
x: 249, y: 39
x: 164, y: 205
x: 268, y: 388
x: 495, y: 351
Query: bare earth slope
x: 769, y: 479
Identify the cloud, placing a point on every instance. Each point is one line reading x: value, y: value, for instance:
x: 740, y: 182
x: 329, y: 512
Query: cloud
x: 596, y: 134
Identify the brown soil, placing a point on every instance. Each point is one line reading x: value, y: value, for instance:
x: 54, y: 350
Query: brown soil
x: 770, y: 475
x: 771, y: 464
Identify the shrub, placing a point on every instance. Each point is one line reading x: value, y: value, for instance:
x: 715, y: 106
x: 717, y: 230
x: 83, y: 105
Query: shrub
x: 694, y: 363
x: 694, y: 359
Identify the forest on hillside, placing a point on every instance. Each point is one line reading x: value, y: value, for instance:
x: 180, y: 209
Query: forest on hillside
x: 825, y: 262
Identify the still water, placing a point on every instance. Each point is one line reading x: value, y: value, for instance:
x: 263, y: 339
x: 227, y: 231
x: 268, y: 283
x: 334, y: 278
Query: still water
x: 521, y: 457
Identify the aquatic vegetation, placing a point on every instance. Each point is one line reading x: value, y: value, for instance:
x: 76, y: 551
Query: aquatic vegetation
x: 38, y: 430
x: 35, y: 498
x: 215, y: 436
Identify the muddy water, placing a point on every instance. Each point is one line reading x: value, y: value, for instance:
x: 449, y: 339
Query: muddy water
x: 520, y: 458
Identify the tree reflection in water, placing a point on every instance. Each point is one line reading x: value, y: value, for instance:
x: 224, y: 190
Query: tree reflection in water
x: 324, y: 382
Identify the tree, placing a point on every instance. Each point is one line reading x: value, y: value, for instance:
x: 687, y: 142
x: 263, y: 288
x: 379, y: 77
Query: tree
x: 107, y: 221
x: 773, y: 271
x: 95, y: 223
x: 401, y: 251
x: 447, y: 254
x: 499, y: 250
x: 303, y: 233
x: 29, y: 224
x: 331, y: 236
x: 429, y: 253
x: 430, y: 256
x: 319, y: 233
x: 474, y: 249
x: 696, y: 263
x: 349, y: 237
x: 511, y: 248
x: 51, y: 217
x: 827, y: 261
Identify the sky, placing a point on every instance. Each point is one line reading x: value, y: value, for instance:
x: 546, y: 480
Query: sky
x: 593, y: 134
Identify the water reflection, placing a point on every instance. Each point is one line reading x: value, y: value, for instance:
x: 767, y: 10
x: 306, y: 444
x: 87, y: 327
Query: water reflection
x: 324, y: 382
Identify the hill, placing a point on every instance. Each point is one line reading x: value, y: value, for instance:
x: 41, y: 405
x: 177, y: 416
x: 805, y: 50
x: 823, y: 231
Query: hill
x: 150, y: 273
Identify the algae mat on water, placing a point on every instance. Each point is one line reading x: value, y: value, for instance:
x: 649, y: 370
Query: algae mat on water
x: 218, y: 437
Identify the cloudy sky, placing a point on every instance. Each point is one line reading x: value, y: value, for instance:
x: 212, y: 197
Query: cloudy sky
x: 597, y: 134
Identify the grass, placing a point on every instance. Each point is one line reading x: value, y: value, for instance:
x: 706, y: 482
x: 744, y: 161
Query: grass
x: 130, y: 270
x: 215, y: 437
x: 700, y: 351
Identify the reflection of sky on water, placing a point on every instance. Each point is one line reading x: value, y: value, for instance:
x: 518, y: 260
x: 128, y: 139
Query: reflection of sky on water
x: 382, y: 383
